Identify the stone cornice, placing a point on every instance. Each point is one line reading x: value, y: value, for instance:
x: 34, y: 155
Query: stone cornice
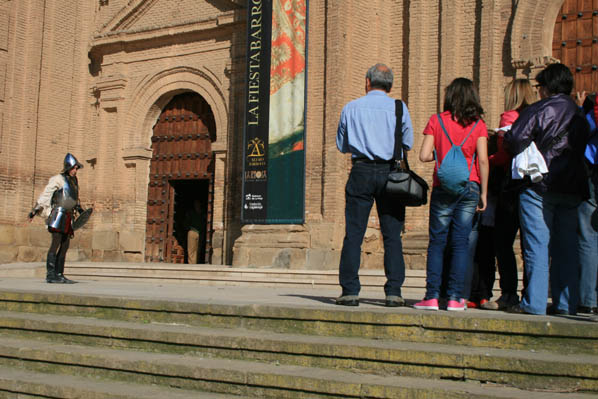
x: 137, y: 154
x: 537, y: 62
x: 123, y: 37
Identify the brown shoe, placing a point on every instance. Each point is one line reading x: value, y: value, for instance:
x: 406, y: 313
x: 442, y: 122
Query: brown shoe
x: 347, y: 300
x: 492, y: 305
x: 394, y: 301
x: 505, y: 301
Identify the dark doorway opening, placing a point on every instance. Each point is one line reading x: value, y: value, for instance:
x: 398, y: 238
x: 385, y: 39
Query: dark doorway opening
x: 191, y: 222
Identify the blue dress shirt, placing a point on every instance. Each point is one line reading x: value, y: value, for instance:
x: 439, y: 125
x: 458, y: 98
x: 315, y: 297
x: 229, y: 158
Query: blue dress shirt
x: 367, y: 127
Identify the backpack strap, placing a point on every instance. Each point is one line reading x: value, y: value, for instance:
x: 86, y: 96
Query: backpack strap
x: 444, y: 130
x: 470, y: 132
x: 451, y: 141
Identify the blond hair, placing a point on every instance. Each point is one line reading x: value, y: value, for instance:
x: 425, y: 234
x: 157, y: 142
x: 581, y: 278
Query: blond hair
x: 519, y: 94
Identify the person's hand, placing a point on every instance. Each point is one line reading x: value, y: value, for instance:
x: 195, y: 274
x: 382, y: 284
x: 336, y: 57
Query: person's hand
x: 481, y: 204
x: 580, y: 98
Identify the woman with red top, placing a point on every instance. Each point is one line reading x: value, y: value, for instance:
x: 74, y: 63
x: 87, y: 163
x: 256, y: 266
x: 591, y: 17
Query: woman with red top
x: 519, y: 94
x: 460, y: 123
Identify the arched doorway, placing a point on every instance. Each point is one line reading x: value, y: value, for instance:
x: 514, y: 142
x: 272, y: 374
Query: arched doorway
x: 181, y: 183
x: 575, y: 42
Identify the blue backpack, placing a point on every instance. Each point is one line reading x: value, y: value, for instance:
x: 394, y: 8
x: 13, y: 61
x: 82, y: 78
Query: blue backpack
x: 453, y: 173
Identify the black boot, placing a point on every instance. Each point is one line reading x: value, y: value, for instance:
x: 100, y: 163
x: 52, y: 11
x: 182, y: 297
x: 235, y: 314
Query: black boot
x: 51, y: 269
x: 60, y: 272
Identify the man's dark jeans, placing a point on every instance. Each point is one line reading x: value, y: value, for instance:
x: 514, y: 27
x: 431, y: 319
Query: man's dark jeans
x: 366, y: 185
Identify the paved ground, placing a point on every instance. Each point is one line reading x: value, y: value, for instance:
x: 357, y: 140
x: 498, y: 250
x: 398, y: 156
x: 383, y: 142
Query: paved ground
x: 237, y: 295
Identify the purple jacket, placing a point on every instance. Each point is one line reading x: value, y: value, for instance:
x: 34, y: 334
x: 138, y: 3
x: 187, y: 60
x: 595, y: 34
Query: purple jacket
x: 560, y: 132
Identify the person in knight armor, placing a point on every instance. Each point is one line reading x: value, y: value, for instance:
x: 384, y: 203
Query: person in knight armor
x: 57, y: 203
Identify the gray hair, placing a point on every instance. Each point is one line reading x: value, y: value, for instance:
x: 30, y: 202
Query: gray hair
x: 380, y: 77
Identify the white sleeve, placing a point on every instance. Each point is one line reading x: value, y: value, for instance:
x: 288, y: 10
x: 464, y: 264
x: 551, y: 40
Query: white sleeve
x: 45, y: 199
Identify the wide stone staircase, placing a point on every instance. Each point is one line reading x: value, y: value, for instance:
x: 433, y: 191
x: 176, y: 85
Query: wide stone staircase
x: 102, y: 339
x: 371, y: 279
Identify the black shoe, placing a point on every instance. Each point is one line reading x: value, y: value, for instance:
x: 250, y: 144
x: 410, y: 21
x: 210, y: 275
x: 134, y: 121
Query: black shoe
x: 64, y: 280
x: 53, y: 279
x: 348, y: 300
x: 516, y: 309
x: 586, y: 310
x: 556, y: 312
x: 394, y: 301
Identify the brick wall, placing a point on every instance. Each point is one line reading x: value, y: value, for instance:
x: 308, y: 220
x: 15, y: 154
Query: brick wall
x: 91, y: 77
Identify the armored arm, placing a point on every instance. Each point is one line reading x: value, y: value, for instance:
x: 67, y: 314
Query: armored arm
x: 79, y: 209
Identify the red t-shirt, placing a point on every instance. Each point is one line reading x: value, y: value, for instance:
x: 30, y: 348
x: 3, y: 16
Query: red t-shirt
x: 501, y: 157
x: 458, y: 134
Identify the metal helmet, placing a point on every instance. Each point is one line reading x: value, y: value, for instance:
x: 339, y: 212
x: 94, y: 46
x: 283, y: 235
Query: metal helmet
x: 70, y: 162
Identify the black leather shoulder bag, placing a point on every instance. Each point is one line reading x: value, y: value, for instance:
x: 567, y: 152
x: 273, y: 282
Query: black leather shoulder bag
x: 404, y: 185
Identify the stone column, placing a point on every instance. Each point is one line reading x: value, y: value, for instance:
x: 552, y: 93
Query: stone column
x: 218, y: 207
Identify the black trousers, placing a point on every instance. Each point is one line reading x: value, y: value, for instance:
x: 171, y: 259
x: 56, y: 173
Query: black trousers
x: 60, y: 244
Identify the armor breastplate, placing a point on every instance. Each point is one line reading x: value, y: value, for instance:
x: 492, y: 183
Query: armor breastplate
x: 67, y: 196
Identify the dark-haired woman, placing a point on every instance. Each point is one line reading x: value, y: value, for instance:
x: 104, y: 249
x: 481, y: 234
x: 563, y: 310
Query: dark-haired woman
x: 548, y: 208
x: 461, y: 121
x: 57, y: 204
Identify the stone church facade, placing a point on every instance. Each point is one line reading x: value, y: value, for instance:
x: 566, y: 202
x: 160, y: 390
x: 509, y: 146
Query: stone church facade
x: 149, y: 96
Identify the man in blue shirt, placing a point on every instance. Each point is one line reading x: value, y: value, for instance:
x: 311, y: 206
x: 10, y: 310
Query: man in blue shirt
x: 367, y: 130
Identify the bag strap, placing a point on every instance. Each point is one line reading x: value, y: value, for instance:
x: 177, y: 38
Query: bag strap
x: 398, y: 150
x: 399, y: 154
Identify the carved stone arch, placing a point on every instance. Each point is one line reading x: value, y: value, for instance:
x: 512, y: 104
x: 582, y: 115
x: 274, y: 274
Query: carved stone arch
x: 531, y: 38
x: 154, y: 92
x: 148, y: 100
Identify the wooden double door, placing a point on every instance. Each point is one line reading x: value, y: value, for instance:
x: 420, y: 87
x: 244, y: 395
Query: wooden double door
x: 575, y: 42
x: 181, y: 181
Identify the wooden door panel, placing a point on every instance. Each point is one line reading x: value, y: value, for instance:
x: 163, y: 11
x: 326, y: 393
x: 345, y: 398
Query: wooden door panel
x: 181, y: 145
x: 575, y: 42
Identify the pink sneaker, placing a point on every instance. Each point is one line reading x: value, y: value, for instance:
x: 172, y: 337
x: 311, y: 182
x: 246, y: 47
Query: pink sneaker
x: 456, y: 306
x: 427, y: 304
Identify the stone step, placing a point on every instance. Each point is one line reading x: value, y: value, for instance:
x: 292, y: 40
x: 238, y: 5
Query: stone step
x: 468, y: 329
x: 415, y: 280
x: 21, y: 383
x: 237, y: 377
x: 518, y: 368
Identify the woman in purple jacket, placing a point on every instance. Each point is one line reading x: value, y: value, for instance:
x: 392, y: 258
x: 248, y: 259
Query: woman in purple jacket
x: 548, y: 209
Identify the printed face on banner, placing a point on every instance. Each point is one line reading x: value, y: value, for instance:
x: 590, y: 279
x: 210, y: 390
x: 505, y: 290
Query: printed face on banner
x: 287, y: 75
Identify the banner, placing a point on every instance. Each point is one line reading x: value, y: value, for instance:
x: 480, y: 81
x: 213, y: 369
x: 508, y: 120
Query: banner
x: 274, y: 155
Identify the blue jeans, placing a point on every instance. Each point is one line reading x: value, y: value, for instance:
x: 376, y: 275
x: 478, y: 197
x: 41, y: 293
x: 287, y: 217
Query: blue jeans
x: 454, y: 214
x: 549, y: 235
x: 588, y: 248
x: 468, y: 277
x: 365, y: 185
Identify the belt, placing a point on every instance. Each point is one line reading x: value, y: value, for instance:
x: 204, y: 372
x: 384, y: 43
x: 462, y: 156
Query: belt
x: 373, y: 161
